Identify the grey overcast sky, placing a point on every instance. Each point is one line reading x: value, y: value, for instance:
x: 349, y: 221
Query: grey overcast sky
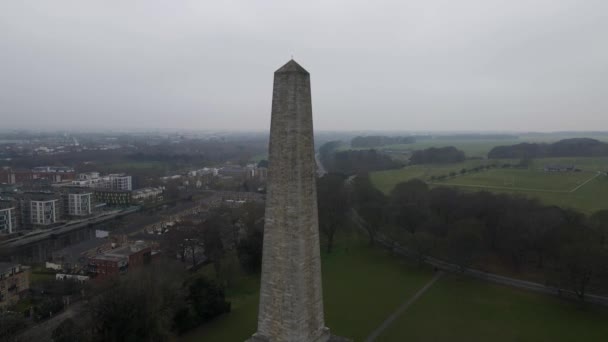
x: 420, y: 65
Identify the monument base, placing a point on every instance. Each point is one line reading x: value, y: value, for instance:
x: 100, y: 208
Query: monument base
x: 325, y: 337
x: 332, y: 338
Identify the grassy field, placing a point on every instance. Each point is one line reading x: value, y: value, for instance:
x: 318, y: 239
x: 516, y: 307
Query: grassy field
x: 472, y: 148
x: 555, y: 188
x: 524, y: 179
x: 363, y: 285
x: 459, y: 309
x: 386, y: 180
x: 479, y: 147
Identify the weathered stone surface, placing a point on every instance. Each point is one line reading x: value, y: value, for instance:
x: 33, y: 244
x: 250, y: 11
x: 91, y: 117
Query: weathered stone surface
x: 291, y: 299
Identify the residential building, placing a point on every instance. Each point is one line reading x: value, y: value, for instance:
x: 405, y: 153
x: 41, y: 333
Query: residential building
x: 121, y: 182
x: 117, y: 181
x: 147, y: 195
x: 40, y: 208
x: 51, y: 174
x: 105, y: 266
x: 56, y: 169
x: 137, y: 253
x: 112, y: 197
x: 233, y: 171
x: 88, y: 176
x: 14, y: 282
x: 75, y: 259
x: 120, y: 260
x: 44, y: 212
x: 8, y: 217
x: 92, y: 180
x: 204, y: 171
x: 80, y: 204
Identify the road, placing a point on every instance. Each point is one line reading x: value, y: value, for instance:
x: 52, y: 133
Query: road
x: 66, y: 228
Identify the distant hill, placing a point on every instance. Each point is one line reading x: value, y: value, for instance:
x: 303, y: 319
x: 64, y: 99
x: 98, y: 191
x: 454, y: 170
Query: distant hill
x: 437, y: 155
x: 379, y: 140
x: 576, y: 147
x: 466, y: 137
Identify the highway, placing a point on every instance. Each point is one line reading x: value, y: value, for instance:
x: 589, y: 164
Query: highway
x: 41, y: 235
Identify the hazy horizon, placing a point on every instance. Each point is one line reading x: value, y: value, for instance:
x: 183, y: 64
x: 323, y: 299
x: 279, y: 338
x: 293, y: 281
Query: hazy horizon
x: 417, y: 66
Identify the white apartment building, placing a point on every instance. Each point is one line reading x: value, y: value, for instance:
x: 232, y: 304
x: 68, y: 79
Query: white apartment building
x: 121, y: 182
x: 92, y: 180
x: 80, y: 204
x: 44, y: 212
x: 88, y: 176
x: 7, y: 220
x: 112, y: 181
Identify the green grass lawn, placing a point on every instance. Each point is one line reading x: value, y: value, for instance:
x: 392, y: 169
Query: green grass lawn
x: 386, y: 180
x: 549, y: 187
x: 460, y: 309
x: 37, y: 278
x: 361, y: 285
x: 522, y: 179
x: 472, y: 148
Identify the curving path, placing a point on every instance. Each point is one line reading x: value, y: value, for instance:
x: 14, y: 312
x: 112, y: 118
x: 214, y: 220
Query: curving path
x: 402, y: 309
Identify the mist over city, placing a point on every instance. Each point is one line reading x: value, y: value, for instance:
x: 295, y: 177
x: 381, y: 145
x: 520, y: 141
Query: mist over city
x: 322, y: 171
x: 391, y: 65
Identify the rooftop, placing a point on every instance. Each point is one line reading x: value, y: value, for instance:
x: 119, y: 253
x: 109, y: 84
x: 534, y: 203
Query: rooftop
x: 109, y: 257
x: 127, y: 250
x: 76, y: 251
x: 5, y: 266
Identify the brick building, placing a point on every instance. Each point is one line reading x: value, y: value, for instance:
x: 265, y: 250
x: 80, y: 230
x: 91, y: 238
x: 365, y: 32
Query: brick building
x: 52, y: 174
x: 14, y: 282
x: 120, y: 260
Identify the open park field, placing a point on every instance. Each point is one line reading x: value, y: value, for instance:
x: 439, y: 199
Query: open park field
x: 480, y: 147
x: 586, y: 191
x: 472, y: 148
x: 364, y: 285
x: 460, y: 309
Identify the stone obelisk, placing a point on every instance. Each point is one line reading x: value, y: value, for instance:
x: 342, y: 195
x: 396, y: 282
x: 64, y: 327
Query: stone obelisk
x: 291, y: 298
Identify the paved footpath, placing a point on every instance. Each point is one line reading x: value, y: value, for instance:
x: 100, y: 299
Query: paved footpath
x: 402, y: 308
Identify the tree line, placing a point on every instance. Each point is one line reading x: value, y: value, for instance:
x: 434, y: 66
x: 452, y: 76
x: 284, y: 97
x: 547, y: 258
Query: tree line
x: 575, y: 147
x: 437, y: 155
x: 351, y: 162
x: 379, y: 140
x: 567, y: 249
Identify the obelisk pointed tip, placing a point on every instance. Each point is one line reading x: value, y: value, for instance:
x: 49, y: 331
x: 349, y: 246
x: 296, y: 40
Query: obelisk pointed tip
x: 291, y: 67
